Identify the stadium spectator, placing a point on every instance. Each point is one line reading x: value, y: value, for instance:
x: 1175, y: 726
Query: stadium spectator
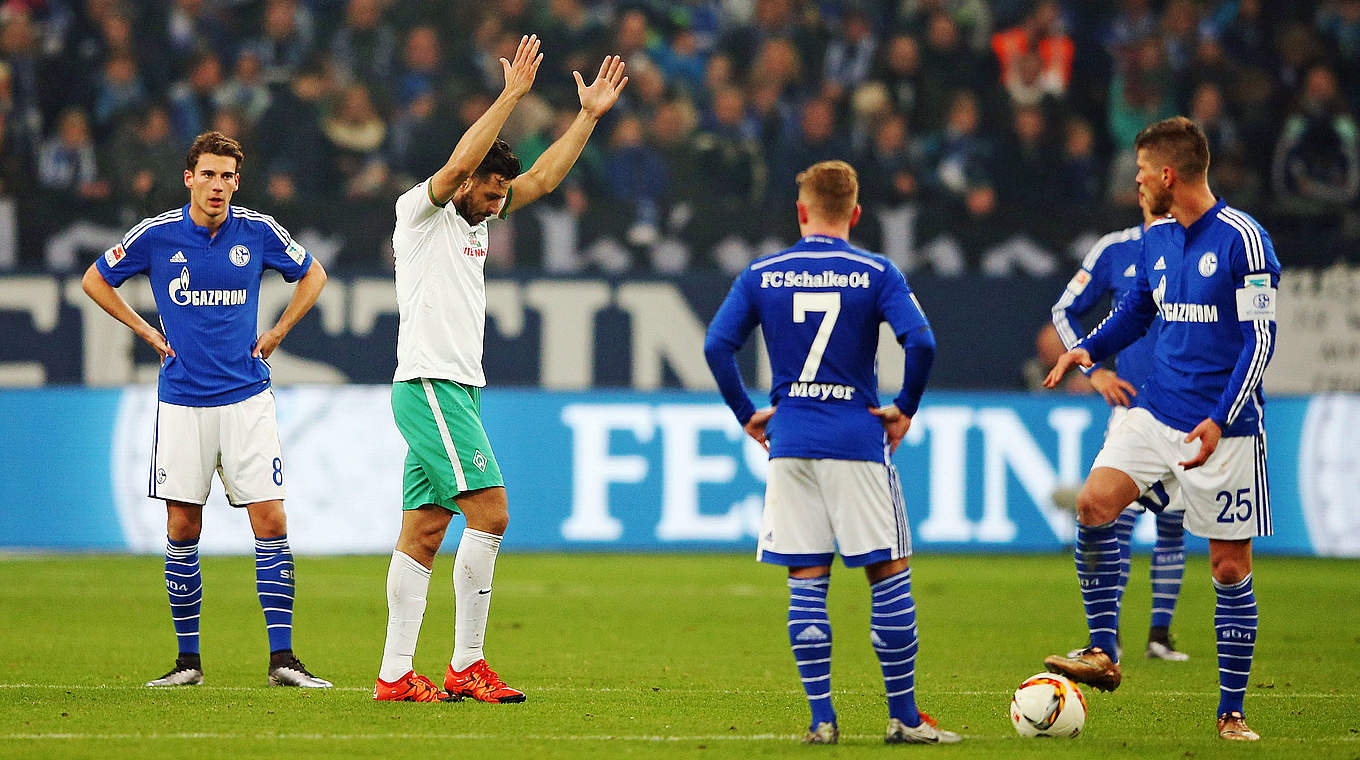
x: 949, y: 66
x: 1180, y: 34
x: 148, y: 161
x: 299, y: 151
x: 958, y: 157
x: 246, y: 91
x: 1079, y: 173
x: 354, y: 134
x: 192, y: 99
x: 680, y: 59
x: 899, y: 69
x: 1140, y: 93
x: 817, y: 140
x: 973, y: 18
x: 1023, y: 157
x: 1339, y: 23
x: 849, y: 56
x: 422, y: 65
x: 1208, y: 110
x: 1028, y: 83
x: 364, y: 48
x: 637, y: 180
x: 188, y: 27
x: 15, y: 155
x: 887, y: 171
x: 1245, y: 30
x: 66, y: 161
x: 26, y: 79
x: 285, y: 40
x: 119, y: 93
x: 415, y: 139
x: 1132, y: 22
x: 1317, y: 160
x: 731, y: 164
x: 1041, y: 34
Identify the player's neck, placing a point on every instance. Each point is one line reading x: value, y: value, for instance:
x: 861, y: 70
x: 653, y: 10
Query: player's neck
x: 201, y: 218
x: 824, y: 229
x: 1196, y: 202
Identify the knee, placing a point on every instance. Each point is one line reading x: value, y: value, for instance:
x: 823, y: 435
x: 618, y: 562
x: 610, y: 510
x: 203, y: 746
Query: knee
x: 1229, y: 570
x: 184, y: 525
x: 272, y: 525
x: 495, y: 523
x: 1096, y: 506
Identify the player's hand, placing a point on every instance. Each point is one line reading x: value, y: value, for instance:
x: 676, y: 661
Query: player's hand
x: 266, y: 343
x: 1208, y: 432
x: 158, y: 342
x: 755, y: 427
x: 895, y: 424
x: 603, y: 93
x: 520, y: 73
x: 1064, y: 363
x: 1116, y: 390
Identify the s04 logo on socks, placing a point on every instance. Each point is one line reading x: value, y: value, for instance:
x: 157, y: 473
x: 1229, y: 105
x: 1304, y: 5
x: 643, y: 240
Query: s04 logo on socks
x: 176, y: 585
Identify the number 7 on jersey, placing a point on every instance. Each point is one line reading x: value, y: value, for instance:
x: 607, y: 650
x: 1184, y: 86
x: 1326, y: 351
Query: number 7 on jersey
x: 828, y: 303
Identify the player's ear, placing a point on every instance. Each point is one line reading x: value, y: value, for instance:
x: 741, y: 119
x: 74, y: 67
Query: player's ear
x: 802, y: 212
x: 854, y: 215
x: 188, y: 178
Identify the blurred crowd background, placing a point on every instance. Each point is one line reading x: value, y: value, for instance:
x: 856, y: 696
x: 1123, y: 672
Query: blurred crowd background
x: 991, y: 137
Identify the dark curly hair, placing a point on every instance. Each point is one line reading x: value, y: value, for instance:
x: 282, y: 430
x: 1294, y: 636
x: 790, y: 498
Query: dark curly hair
x: 499, y: 160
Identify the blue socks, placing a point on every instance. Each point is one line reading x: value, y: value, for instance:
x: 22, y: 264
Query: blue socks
x: 1097, y: 558
x: 1235, y: 625
x: 184, y: 584
x: 892, y: 631
x: 274, y: 584
x: 1168, y: 565
x: 1123, y: 530
x: 810, y: 637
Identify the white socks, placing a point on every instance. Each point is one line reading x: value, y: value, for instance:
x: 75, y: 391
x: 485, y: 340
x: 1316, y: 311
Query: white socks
x: 473, y: 567
x: 407, y: 584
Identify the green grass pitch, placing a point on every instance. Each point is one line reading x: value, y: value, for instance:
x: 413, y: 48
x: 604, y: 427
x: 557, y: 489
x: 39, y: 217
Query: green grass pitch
x: 646, y: 655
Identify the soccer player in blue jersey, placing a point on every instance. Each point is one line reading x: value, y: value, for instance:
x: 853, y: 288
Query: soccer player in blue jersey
x: 1210, y: 272
x: 832, y: 485
x: 215, y: 409
x: 1110, y: 269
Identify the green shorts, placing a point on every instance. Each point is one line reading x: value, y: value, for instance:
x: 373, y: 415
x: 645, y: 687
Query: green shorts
x: 448, y: 452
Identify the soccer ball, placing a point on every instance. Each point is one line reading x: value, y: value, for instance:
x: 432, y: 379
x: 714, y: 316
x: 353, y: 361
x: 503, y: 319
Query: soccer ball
x: 1048, y: 704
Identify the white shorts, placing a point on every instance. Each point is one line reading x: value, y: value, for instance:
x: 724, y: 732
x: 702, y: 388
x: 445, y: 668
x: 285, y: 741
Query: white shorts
x: 1227, y: 497
x: 1165, y: 493
x: 814, y: 506
x: 239, y: 441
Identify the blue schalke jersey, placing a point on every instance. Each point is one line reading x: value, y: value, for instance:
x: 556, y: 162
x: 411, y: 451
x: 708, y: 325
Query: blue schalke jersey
x: 1111, y: 268
x: 207, y: 291
x: 1214, y: 286
x: 819, y: 305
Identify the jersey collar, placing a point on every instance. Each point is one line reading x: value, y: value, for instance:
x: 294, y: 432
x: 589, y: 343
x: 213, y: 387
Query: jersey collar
x: 192, y: 225
x: 821, y: 241
x: 1202, y: 223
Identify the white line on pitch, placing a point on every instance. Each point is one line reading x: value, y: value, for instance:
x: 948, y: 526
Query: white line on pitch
x: 388, y: 736
x: 664, y: 689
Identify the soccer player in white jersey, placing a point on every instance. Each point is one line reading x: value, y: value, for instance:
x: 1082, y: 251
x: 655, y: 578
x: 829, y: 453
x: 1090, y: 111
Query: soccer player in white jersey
x: 440, y: 243
x: 1211, y: 273
x: 215, y: 409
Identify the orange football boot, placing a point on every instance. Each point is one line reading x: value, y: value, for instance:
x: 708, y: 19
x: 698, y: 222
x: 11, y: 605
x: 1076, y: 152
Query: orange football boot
x: 411, y: 687
x: 481, y: 683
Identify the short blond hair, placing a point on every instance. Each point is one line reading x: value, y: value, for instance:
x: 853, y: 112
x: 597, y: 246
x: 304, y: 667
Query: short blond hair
x: 829, y: 188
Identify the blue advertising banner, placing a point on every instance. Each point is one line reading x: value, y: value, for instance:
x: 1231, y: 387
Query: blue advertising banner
x: 628, y: 471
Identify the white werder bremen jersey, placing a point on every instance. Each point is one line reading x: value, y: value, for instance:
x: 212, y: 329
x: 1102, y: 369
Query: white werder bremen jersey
x: 441, y: 291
